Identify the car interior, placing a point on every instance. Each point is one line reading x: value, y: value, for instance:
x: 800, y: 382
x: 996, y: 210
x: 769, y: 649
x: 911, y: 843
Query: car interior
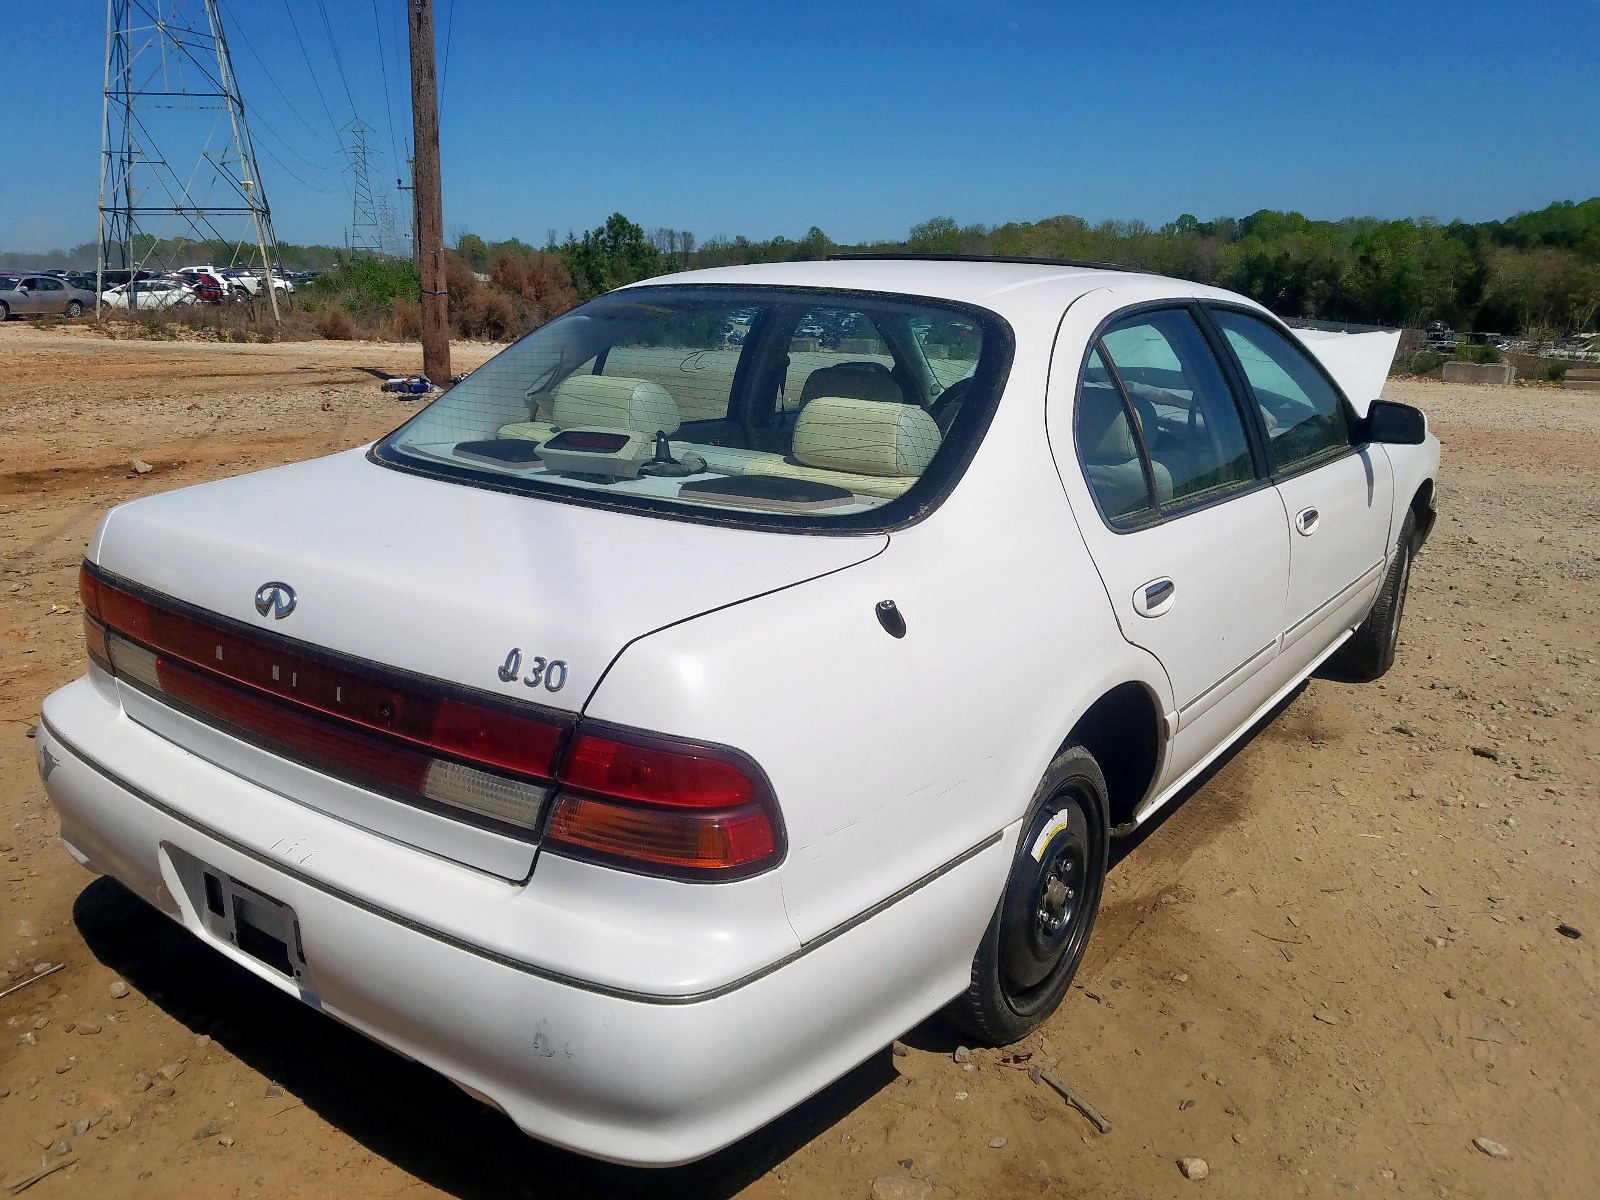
x: 791, y: 408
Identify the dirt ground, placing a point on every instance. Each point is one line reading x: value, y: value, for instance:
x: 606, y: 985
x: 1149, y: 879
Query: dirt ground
x: 1332, y: 967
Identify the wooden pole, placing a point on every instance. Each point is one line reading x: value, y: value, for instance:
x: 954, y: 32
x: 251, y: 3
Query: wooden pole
x: 428, y: 197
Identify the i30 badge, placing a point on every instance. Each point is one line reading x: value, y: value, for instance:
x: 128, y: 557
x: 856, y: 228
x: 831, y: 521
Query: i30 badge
x: 275, y: 600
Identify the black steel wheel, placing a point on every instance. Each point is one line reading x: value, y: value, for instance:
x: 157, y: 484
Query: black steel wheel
x: 1041, y: 926
x: 1369, y: 652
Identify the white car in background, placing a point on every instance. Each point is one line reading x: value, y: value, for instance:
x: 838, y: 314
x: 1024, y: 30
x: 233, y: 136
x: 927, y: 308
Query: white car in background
x: 249, y: 281
x: 651, y: 729
x: 150, y: 293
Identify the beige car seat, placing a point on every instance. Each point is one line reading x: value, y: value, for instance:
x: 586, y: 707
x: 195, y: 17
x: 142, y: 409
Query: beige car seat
x: 872, y: 447
x: 844, y: 379
x: 1111, y: 456
x: 605, y: 402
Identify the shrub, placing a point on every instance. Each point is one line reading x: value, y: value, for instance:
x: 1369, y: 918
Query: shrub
x: 1426, y: 362
x: 154, y: 327
x: 539, y: 282
x: 1471, y: 352
x: 335, y: 325
x: 1555, y: 372
x: 405, y: 319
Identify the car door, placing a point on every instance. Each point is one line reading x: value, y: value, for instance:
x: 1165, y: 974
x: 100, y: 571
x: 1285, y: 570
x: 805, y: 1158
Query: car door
x: 1171, y: 495
x: 52, y: 295
x: 1336, y: 495
x: 29, y: 296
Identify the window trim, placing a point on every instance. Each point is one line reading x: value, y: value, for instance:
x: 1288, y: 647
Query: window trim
x: 1353, y: 422
x: 919, y: 501
x: 1244, y: 407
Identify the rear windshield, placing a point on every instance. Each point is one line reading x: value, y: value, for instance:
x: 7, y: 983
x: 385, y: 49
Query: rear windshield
x: 767, y: 406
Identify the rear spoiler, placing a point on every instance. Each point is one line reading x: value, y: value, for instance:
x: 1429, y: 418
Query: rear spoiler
x: 1358, y: 362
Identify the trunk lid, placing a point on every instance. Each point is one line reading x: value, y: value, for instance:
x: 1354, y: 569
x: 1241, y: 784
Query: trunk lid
x: 441, y: 580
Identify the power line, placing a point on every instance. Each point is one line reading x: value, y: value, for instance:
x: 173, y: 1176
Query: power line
x: 312, y: 71
x: 383, y: 63
x: 338, y: 59
x: 267, y: 74
x: 284, y: 167
x: 444, y: 74
x: 261, y: 123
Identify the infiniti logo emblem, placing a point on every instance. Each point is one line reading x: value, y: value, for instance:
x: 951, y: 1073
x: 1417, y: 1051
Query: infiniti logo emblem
x: 275, y: 600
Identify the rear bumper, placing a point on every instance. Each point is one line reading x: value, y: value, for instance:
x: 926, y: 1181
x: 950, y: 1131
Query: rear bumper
x: 648, y: 1081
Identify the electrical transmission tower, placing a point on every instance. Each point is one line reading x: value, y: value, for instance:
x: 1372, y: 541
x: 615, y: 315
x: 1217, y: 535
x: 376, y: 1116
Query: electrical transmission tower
x: 388, y: 236
x: 177, y: 165
x: 366, y: 232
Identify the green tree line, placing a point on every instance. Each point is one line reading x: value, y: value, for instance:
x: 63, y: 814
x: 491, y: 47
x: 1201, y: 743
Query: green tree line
x: 1536, y: 274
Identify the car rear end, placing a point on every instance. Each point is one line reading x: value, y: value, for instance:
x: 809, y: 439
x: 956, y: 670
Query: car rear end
x: 337, y: 724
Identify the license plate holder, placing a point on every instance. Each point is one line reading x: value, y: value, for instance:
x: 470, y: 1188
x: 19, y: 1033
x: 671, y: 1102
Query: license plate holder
x: 263, y: 928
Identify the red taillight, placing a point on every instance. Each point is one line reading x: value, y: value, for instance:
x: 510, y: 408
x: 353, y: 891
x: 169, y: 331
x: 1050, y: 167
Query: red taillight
x: 89, y: 591
x: 657, y: 774
x: 633, y: 800
x: 664, y: 807
x: 414, y: 739
x: 94, y: 631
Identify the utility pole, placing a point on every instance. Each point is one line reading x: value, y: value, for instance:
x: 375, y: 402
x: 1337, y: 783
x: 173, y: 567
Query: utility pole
x: 429, y: 199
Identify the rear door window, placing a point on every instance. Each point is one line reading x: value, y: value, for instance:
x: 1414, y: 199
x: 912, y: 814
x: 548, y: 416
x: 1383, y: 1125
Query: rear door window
x: 1180, y: 430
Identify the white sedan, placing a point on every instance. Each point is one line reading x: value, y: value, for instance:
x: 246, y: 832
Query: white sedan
x: 150, y: 293
x: 651, y: 729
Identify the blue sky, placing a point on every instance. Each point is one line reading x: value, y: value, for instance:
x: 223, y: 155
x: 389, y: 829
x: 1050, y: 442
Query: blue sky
x: 864, y: 118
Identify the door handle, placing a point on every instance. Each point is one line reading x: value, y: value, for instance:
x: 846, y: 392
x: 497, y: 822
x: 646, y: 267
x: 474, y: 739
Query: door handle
x: 1307, y: 520
x: 1154, y: 598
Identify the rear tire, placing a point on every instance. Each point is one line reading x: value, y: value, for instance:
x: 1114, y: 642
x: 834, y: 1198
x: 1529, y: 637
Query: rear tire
x: 75, y: 308
x: 5, y: 311
x: 1369, y: 653
x: 1041, y: 925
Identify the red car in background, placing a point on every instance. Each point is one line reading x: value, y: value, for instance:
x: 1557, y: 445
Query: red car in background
x: 208, y: 288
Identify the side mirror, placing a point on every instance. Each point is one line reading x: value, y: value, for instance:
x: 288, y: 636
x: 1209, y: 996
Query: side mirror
x: 1394, y: 424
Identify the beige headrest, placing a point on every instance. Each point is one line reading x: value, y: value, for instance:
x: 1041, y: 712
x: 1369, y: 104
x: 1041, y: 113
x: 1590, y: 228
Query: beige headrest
x: 871, y: 437
x: 1104, y: 435
x: 843, y: 380
x: 614, y: 402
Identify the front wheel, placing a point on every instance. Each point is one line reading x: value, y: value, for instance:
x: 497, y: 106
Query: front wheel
x: 1369, y: 652
x: 1041, y: 926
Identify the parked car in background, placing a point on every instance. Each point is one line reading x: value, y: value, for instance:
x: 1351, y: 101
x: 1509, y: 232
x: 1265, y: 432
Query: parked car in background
x: 651, y: 729
x: 243, y: 284
x: 39, y: 296
x: 151, y: 294
x: 230, y: 287
x: 118, y: 277
x: 208, y: 289
x: 250, y: 281
x: 83, y: 293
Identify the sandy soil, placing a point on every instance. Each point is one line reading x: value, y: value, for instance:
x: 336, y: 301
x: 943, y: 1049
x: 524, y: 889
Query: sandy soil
x: 1326, y: 972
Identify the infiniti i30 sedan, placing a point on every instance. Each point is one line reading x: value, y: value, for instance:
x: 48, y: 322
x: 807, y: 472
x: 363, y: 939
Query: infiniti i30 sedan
x: 731, y: 707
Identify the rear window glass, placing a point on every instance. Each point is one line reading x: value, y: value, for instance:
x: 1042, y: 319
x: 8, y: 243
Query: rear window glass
x: 769, y: 405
